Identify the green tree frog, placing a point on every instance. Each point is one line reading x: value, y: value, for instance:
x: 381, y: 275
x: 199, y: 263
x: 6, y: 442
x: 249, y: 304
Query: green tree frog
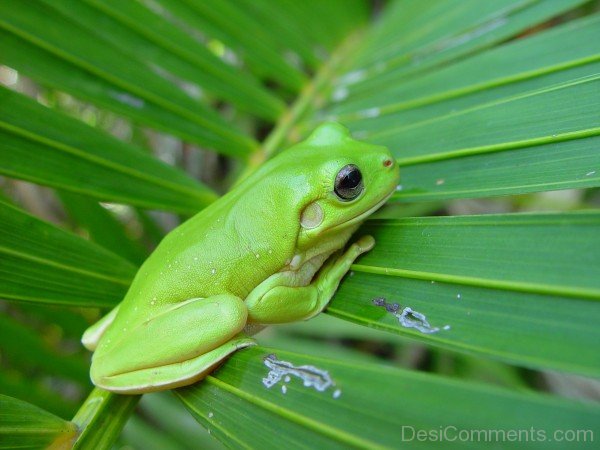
x: 269, y: 251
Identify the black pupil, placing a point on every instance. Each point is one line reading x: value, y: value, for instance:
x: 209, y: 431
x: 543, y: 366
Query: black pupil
x: 351, y: 179
x: 348, y: 183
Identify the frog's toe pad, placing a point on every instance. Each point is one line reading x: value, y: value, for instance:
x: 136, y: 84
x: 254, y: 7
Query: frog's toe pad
x: 366, y: 243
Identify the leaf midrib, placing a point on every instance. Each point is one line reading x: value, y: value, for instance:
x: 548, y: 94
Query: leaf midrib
x: 517, y: 358
x: 500, y: 147
x: 490, y: 283
x: 173, y: 107
x: 48, y: 262
x: 470, y: 89
x: 307, y: 422
x: 131, y: 171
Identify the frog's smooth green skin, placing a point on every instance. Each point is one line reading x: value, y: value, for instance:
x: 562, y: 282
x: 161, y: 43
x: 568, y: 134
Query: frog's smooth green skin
x: 267, y: 252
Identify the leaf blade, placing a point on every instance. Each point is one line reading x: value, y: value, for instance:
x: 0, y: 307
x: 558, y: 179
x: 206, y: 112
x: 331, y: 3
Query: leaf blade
x: 458, y: 29
x: 161, y: 46
x: 42, y: 263
x: 37, y: 24
x: 26, y: 426
x: 488, y: 275
x: 71, y: 155
x: 517, y: 98
x: 368, y: 401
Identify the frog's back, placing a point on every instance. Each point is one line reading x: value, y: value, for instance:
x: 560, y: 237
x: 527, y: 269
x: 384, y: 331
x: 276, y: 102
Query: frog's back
x: 230, y: 247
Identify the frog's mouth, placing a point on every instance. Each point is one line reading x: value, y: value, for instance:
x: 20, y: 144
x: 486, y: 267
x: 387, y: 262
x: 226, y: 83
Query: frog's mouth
x: 362, y: 216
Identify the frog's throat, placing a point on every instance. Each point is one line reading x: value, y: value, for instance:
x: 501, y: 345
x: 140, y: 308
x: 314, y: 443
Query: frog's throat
x: 362, y: 216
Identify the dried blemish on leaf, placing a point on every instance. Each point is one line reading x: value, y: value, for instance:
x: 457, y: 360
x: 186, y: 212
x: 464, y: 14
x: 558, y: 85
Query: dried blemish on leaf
x: 459, y: 39
x: 369, y: 113
x: 353, y: 77
x: 339, y: 94
x: 408, y: 317
x: 311, y: 376
x: 127, y: 99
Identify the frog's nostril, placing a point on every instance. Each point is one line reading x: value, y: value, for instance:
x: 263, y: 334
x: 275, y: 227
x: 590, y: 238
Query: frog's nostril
x: 388, y: 163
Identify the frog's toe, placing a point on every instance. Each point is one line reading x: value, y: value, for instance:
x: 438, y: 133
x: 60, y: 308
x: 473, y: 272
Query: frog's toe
x: 366, y: 243
x: 92, y: 335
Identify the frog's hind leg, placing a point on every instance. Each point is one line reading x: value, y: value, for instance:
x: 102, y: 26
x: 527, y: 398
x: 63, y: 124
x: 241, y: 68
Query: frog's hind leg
x: 92, y: 335
x: 174, y: 375
x: 175, y: 347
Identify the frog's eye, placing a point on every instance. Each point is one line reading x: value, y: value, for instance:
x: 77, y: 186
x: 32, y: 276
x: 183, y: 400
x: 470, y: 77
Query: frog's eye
x: 348, y: 183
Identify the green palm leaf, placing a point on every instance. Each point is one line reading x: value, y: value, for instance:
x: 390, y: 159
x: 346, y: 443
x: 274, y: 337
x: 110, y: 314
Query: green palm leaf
x: 73, y: 156
x: 292, y: 415
x: 26, y: 426
x: 475, y: 99
x: 158, y: 44
x: 133, y: 82
x: 492, y: 280
x: 42, y: 263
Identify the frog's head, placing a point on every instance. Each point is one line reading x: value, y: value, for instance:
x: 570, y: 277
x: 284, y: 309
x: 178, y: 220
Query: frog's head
x: 340, y: 182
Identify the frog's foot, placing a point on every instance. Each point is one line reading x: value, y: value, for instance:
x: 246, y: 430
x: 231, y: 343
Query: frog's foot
x: 274, y: 302
x: 331, y: 274
x: 93, y: 334
x: 179, y: 345
x: 336, y: 267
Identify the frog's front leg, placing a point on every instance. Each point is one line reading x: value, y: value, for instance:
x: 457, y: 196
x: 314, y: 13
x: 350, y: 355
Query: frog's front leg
x: 179, y: 344
x: 275, y: 301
